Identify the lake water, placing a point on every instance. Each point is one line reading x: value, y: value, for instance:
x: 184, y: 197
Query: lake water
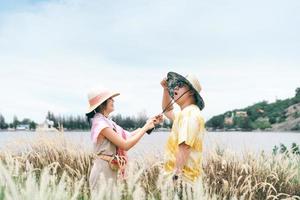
x: 153, y: 144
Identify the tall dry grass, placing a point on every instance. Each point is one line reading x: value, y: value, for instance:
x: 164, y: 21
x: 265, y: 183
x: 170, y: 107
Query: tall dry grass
x: 253, y: 176
x: 54, y: 168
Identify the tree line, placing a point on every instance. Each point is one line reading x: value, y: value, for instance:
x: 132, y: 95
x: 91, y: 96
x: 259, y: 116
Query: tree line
x: 16, y: 122
x: 79, y: 122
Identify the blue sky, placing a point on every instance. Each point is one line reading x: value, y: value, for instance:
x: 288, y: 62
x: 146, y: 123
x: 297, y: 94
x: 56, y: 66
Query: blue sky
x: 15, y: 5
x: 53, y: 52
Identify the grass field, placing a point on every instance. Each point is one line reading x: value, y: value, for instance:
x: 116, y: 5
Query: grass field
x: 53, y: 168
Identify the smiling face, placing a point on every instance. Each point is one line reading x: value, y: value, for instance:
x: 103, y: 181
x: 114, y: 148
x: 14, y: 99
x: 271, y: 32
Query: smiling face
x: 110, y: 105
x: 106, y: 107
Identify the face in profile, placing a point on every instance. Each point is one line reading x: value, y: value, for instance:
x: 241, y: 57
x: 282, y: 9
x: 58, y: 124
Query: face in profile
x: 110, y: 105
x: 180, y: 92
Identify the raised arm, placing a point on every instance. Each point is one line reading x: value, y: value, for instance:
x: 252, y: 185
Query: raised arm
x: 166, y: 100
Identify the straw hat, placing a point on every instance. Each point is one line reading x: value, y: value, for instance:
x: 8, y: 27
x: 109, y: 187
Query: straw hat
x: 191, y: 81
x: 97, y: 96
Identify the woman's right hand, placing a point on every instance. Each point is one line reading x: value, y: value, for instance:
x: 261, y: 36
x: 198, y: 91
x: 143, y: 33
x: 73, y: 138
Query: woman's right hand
x: 164, y: 84
x: 149, y: 124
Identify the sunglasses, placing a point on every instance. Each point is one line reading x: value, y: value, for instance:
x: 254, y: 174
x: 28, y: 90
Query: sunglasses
x: 179, y: 84
x: 172, y: 84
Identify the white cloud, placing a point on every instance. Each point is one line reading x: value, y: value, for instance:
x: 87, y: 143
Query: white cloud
x: 52, y: 52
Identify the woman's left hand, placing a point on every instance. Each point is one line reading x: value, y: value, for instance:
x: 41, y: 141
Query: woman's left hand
x: 158, y: 119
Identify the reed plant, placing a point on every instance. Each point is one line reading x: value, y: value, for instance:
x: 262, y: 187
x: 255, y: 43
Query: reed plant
x: 55, y: 168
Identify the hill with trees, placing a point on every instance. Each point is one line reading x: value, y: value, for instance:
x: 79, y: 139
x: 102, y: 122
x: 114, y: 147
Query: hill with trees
x: 282, y: 115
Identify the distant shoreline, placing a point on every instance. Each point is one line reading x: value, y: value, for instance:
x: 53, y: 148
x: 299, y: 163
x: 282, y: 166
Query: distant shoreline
x: 166, y: 130
x: 254, y: 131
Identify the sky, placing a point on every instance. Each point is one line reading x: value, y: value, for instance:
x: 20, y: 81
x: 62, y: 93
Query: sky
x: 52, y: 53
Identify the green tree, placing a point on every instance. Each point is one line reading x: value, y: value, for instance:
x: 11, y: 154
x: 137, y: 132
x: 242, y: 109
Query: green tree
x: 216, y: 122
x: 15, y: 122
x: 272, y: 120
x: 32, y: 125
x: 129, y: 123
x: 297, y: 92
x: 296, y: 99
x: 140, y: 119
x: 69, y: 122
x: 243, y: 123
x: 261, y: 123
x: 11, y: 125
x: 3, y: 125
x: 25, y: 121
x: 51, y: 117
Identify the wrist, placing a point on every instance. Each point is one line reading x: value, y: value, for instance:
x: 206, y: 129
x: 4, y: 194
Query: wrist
x: 137, y: 130
x: 143, y: 129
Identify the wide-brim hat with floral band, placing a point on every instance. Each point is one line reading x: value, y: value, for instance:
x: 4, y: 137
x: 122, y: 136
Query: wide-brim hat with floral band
x: 97, y: 96
x: 191, y: 80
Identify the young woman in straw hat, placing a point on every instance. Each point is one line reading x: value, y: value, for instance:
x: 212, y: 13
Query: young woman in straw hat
x: 110, y: 140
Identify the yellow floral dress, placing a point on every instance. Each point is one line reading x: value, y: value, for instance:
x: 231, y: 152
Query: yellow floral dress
x: 188, y: 127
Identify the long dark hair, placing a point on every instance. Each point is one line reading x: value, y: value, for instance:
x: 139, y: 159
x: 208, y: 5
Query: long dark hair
x: 99, y: 109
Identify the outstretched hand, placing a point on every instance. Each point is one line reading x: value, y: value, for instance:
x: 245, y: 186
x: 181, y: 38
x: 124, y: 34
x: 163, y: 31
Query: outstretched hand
x: 149, y: 124
x: 158, y: 119
x: 155, y: 121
